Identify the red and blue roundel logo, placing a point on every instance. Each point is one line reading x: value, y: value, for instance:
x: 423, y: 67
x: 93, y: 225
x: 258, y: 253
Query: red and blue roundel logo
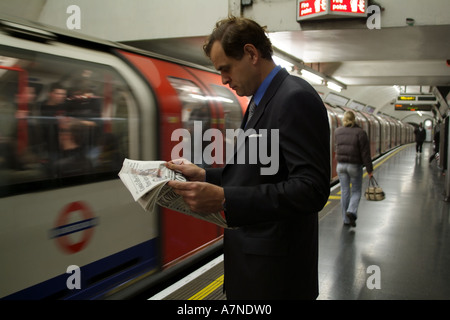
x: 64, y: 229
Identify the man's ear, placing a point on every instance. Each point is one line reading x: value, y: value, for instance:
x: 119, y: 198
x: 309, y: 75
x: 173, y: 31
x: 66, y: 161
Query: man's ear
x: 252, y: 52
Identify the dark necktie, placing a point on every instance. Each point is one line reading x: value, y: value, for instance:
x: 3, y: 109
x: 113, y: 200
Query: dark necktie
x: 251, y: 110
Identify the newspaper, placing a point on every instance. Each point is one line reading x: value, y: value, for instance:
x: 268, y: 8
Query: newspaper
x: 147, y: 182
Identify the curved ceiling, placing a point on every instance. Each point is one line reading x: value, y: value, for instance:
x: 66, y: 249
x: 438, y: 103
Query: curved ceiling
x: 368, y: 62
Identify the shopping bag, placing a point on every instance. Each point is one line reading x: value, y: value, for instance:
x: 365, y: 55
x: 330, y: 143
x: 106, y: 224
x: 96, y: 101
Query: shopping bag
x: 374, y: 192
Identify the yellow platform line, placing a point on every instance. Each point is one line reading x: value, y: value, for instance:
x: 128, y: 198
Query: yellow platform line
x: 387, y: 158
x: 208, y: 289
x: 334, y: 197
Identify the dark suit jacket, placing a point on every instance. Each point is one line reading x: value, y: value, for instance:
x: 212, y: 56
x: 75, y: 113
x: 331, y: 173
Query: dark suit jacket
x: 273, y: 252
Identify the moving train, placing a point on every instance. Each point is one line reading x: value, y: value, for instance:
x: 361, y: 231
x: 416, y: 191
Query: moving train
x: 71, y: 109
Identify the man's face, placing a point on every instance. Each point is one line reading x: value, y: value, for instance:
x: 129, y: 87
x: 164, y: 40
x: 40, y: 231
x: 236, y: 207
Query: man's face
x: 57, y: 96
x: 238, y: 74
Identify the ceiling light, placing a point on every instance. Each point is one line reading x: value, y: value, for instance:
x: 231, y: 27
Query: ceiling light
x: 311, y: 76
x: 283, y: 63
x: 334, y: 86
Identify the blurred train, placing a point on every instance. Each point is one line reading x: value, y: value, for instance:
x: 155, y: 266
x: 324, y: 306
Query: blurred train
x: 71, y: 109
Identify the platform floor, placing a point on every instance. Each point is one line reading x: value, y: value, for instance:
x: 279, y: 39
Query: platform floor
x: 400, y: 248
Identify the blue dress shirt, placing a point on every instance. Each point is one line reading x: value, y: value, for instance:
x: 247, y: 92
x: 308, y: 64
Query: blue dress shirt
x: 264, y: 85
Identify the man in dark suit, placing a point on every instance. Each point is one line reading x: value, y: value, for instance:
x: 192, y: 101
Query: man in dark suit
x: 271, y: 250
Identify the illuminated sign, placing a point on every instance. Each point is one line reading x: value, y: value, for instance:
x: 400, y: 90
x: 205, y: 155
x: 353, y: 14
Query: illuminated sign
x: 412, y: 107
x: 311, y: 8
x: 417, y: 99
x: 406, y: 98
x: 324, y: 9
x: 348, y: 6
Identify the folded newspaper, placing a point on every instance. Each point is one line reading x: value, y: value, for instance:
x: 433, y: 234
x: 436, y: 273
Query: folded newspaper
x: 147, y: 182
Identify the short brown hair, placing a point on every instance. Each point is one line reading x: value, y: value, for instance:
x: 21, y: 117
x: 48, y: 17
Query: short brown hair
x: 234, y: 33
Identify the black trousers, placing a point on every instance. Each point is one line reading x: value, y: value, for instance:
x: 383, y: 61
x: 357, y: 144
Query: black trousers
x: 419, y: 146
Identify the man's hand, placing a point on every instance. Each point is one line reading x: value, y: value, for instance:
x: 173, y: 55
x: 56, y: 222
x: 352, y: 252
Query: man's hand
x: 188, y: 169
x: 201, y: 197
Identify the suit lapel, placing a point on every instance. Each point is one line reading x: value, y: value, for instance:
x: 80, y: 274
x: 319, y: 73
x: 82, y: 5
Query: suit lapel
x: 244, y: 120
x: 259, y: 111
x: 271, y: 90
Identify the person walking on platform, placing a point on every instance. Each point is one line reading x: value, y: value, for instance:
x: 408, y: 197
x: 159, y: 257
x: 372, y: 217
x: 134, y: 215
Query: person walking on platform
x: 271, y: 247
x: 420, y: 137
x: 437, y: 139
x: 352, y: 152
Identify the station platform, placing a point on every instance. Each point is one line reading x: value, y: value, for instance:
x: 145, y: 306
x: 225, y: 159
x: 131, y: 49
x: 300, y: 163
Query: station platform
x: 399, y: 249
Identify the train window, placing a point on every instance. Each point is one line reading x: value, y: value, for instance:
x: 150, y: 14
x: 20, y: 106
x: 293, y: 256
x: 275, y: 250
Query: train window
x: 194, y: 108
x: 60, y: 119
x: 231, y: 107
